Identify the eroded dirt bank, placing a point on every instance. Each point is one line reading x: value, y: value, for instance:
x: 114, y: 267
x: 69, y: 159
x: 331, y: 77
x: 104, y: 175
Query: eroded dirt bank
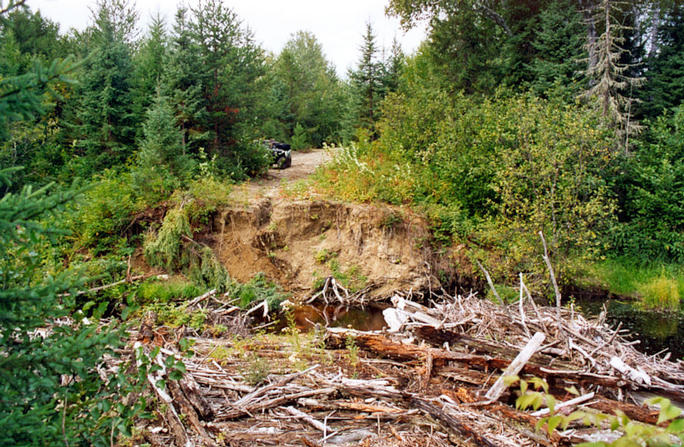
x: 298, y: 243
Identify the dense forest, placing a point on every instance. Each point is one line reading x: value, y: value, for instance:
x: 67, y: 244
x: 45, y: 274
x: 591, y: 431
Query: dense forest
x: 513, y: 117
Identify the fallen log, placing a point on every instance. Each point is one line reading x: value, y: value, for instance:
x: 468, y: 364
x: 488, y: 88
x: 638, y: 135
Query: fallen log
x: 516, y: 366
x: 451, y: 421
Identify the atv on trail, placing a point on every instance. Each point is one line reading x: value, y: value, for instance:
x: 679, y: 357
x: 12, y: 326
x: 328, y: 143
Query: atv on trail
x: 281, y: 153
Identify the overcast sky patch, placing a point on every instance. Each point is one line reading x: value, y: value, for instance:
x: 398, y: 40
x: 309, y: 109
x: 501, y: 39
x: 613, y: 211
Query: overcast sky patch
x: 339, y: 26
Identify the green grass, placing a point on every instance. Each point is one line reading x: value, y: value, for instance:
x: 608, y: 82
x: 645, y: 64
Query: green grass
x: 659, y: 285
x: 175, y: 289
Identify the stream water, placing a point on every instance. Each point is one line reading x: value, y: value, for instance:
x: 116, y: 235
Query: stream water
x: 656, y: 331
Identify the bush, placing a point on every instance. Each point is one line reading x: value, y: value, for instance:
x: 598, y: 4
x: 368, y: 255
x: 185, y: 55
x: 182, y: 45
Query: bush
x: 493, y: 171
x: 652, y: 194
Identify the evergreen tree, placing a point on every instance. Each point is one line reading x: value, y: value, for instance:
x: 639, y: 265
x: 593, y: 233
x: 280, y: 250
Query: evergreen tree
x: 181, y: 83
x: 162, y: 163
x: 612, y: 84
x: 50, y: 391
x: 367, y: 79
x: 664, y: 87
x: 231, y: 71
x: 559, y: 48
x: 149, y: 62
x: 393, y: 67
x: 312, y: 92
x: 106, y: 122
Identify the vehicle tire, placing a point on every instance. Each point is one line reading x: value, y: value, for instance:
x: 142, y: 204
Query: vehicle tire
x: 284, y: 162
x: 288, y: 161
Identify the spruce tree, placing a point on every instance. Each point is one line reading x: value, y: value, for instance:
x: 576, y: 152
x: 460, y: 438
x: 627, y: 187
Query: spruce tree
x: 150, y: 62
x: 612, y: 85
x: 50, y: 391
x: 393, y: 67
x: 559, y: 48
x: 368, y: 81
x: 162, y: 163
x: 230, y: 71
x: 664, y: 87
x: 181, y: 83
x: 105, y: 113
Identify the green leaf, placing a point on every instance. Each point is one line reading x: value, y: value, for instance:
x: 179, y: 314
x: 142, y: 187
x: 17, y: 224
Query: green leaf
x: 572, y: 390
x: 676, y: 426
x: 553, y: 423
x: 668, y: 411
x: 508, y: 380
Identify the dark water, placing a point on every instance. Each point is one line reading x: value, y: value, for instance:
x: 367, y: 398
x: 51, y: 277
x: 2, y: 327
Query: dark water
x: 367, y: 318
x: 656, y: 331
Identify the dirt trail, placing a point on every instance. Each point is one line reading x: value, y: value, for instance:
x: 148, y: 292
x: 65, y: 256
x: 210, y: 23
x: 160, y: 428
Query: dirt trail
x: 303, y: 165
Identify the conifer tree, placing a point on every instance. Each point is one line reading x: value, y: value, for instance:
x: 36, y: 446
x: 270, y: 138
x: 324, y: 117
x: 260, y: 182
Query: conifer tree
x: 181, y: 82
x: 559, y: 47
x: 368, y: 80
x: 664, y: 87
x: 150, y: 62
x: 613, y: 85
x: 393, y: 67
x: 231, y: 67
x: 50, y: 391
x: 162, y: 163
x: 105, y: 113
x: 312, y: 91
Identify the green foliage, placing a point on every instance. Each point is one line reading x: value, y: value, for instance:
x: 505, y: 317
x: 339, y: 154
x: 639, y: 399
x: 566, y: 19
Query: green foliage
x: 633, y: 433
x: 300, y: 139
x: 367, y: 81
x: 36, y: 405
x: 258, y: 289
x: 559, y: 47
x: 104, y: 212
x: 105, y: 122
x: 256, y: 370
x: 652, y: 194
x: 162, y: 164
x: 664, y: 88
x: 494, y: 170
x: 627, y: 276
x: 310, y: 100
x: 157, y: 291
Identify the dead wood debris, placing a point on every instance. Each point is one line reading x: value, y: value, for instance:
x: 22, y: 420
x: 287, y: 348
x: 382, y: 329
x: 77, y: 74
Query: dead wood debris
x: 423, y: 382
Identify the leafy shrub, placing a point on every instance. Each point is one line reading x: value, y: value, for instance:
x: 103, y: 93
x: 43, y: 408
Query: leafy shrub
x: 495, y: 171
x: 258, y: 289
x: 652, y: 194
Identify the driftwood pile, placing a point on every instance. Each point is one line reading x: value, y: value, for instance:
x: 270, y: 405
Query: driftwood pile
x: 433, y: 378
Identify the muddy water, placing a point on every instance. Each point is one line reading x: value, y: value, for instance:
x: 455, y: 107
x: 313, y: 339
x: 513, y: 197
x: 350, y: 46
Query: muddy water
x: 368, y: 318
x: 656, y: 331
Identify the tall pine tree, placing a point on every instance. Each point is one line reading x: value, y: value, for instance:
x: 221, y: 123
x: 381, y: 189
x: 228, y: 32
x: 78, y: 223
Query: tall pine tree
x: 106, y: 124
x: 367, y: 79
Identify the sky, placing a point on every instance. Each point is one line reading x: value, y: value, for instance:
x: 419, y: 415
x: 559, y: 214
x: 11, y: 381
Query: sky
x: 338, y: 25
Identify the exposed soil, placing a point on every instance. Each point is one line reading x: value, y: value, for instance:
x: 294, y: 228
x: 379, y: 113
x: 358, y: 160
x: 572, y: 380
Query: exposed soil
x: 297, y: 242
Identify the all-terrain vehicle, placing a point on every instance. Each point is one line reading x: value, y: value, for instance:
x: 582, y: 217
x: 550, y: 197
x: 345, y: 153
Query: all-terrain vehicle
x: 281, y: 153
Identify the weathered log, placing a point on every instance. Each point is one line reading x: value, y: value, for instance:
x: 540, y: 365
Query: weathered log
x: 451, y: 421
x: 516, y: 366
x: 194, y: 394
